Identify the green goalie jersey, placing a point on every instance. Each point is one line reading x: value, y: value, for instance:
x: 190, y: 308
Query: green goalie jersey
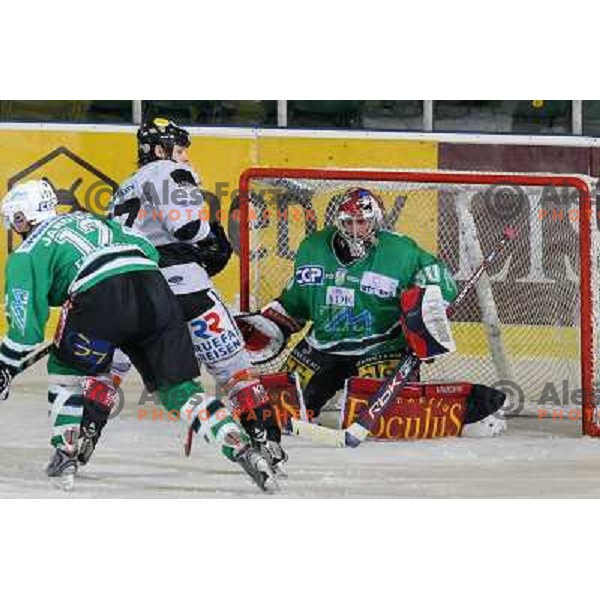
x: 355, y: 308
x: 64, y: 255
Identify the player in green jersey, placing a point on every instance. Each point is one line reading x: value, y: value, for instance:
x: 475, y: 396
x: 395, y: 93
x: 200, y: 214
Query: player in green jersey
x: 348, y: 281
x: 113, y: 294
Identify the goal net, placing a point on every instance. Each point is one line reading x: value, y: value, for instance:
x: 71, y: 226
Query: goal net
x: 530, y: 325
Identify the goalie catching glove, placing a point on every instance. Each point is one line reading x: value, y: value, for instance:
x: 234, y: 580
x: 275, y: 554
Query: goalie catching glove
x: 266, y: 333
x: 425, y: 323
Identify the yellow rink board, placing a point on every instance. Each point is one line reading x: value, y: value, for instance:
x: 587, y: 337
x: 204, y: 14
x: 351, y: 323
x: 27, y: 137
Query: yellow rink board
x: 520, y: 341
x: 84, y: 163
x: 82, y: 160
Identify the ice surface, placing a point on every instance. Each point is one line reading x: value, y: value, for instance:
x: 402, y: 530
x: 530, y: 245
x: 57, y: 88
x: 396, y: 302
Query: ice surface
x: 144, y: 459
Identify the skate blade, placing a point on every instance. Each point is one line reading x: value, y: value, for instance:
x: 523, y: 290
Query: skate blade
x: 271, y: 485
x: 64, y: 483
x: 280, y: 473
x: 189, y: 440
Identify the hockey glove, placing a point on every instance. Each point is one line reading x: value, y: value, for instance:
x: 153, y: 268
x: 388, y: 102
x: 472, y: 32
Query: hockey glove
x: 6, y: 375
x: 215, y: 249
x: 275, y: 312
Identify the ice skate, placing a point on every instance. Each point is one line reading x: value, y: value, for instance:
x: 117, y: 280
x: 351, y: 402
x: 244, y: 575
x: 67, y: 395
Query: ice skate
x: 276, y: 456
x: 258, y: 468
x: 271, y: 450
x: 62, y: 469
x: 88, y: 438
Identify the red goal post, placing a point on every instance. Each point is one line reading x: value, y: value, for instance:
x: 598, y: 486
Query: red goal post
x: 456, y: 216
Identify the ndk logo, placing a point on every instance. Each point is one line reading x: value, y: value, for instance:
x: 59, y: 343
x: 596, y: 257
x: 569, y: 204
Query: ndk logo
x: 310, y: 275
x: 78, y: 184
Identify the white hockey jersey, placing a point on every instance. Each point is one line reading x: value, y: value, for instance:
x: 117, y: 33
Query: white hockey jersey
x: 163, y: 201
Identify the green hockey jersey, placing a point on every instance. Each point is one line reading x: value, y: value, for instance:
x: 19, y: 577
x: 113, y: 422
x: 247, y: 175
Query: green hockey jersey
x: 355, y: 308
x: 66, y: 254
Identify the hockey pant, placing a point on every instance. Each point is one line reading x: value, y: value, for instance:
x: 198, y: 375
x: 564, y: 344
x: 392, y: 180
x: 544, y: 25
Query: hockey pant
x: 219, y: 346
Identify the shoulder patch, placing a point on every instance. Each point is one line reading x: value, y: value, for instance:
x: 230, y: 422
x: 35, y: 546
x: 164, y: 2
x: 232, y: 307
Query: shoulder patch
x: 18, y: 308
x: 378, y: 285
x: 310, y: 275
x: 183, y: 177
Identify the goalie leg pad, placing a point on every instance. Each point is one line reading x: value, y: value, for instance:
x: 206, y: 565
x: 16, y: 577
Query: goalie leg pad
x: 285, y: 398
x: 482, y: 402
x: 246, y: 392
x: 250, y: 401
x: 382, y: 365
x: 484, y: 416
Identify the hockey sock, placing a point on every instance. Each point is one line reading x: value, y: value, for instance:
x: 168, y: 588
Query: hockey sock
x: 65, y: 411
x: 206, y: 415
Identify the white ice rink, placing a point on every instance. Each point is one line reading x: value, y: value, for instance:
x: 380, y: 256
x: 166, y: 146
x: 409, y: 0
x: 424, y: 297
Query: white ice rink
x: 144, y: 459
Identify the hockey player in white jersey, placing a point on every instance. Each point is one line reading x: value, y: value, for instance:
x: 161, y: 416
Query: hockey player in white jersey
x: 163, y: 201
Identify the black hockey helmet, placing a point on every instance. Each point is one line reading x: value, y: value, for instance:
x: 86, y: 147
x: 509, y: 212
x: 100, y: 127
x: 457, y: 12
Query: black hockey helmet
x: 159, y: 131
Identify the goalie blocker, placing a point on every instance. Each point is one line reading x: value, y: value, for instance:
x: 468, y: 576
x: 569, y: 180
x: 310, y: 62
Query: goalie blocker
x: 424, y: 322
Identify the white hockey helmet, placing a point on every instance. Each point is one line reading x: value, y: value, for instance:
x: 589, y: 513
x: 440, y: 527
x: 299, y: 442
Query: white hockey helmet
x: 32, y: 202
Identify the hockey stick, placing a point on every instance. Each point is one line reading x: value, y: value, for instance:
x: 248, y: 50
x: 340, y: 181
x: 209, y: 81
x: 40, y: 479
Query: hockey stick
x: 34, y: 356
x: 358, y: 431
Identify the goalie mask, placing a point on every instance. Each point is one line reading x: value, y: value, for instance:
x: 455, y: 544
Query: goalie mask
x: 160, y: 132
x: 29, y: 204
x: 358, y: 218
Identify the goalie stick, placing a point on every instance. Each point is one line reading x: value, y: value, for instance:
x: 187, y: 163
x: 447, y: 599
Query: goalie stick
x: 7, y: 375
x: 358, y: 431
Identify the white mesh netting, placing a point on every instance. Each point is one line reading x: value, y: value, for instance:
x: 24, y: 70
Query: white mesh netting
x: 523, y: 322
